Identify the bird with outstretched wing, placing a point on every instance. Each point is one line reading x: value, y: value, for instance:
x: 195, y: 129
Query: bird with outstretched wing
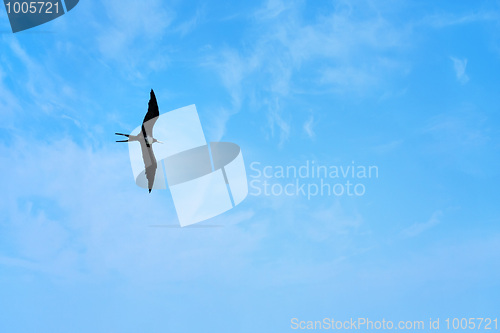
x: 146, y: 139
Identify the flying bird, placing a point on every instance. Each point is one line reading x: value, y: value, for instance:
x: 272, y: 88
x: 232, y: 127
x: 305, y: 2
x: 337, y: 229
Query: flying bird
x: 145, y: 138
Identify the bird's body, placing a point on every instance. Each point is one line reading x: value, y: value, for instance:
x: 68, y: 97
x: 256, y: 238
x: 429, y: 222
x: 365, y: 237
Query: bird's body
x: 146, y: 139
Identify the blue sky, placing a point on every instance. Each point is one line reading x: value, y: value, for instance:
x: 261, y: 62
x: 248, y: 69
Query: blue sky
x: 410, y: 87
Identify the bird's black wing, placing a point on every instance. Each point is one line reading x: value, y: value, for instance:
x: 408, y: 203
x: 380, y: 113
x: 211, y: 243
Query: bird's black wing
x: 151, y: 117
x: 150, y: 163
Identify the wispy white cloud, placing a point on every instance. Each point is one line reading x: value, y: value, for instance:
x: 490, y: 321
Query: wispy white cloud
x: 232, y: 69
x: 460, y: 66
x: 9, y: 104
x: 271, y: 9
x: 450, y: 19
x: 39, y: 91
x: 216, y: 125
x: 463, y: 130
x: 309, y: 127
x: 286, y: 47
x: 388, y: 147
x: 187, y: 26
x: 130, y: 35
x: 420, y: 227
x: 42, y: 87
x: 348, y: 79
x: 74, y: 212
x: 461, y: 139
x: 279, y: 126
x: 334, y: 220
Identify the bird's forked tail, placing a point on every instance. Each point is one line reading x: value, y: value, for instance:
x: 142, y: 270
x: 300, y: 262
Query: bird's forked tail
x: 123, y: 135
